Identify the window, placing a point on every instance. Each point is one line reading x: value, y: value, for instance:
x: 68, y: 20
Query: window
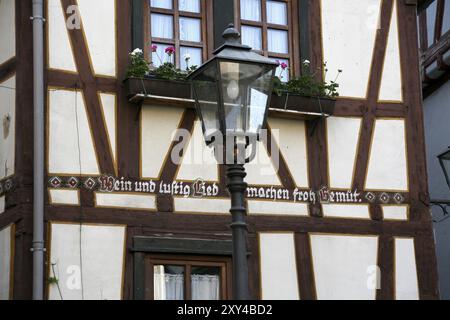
x: 187, y: 278
x: 268, y: 27
x: 178, y: 24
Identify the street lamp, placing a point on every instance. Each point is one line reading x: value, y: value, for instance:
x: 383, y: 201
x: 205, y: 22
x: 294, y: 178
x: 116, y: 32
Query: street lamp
x: 232, y: 94
x: 444, y: 160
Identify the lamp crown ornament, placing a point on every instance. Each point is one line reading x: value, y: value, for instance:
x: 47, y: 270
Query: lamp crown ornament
x: 231, y: 35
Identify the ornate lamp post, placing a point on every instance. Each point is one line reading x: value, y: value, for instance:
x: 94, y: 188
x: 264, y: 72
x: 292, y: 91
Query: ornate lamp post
x: 232, y: 94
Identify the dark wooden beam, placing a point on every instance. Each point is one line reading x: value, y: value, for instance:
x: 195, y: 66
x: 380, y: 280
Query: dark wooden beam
x: 90, y: 91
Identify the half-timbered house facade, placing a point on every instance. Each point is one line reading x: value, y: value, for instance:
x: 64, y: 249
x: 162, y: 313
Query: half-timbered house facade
x: 337, y: 202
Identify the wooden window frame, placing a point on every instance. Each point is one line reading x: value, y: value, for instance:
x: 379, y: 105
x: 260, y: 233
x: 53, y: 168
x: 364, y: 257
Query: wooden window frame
x: 206, y: 21
x: 188, y: 262
x: 292, y: 28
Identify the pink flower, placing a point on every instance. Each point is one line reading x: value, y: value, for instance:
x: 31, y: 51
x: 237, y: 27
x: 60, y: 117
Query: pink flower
x: 170, y: 50
x: 284, y: 65
x: 154, y: 47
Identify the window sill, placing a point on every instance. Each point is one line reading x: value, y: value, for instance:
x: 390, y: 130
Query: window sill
x: 179, y: 93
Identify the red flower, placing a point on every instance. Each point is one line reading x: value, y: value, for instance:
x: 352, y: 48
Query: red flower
x: 170, y: 50
x: 284, y: 65
x: 154, y: 47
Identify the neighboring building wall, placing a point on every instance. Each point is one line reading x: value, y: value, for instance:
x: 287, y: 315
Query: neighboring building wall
x: 437, y: 132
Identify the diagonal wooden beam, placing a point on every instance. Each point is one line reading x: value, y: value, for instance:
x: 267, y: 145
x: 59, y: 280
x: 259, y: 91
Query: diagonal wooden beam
x: 373, y: 94
x: 7, y: 69
x: 90, y: 90
x: 170, y: 169
x: 283, y: 172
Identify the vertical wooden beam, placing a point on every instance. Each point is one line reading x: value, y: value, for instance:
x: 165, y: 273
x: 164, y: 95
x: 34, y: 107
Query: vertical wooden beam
x: 415, y: 132
x: 128, y: 131
x: 305, y: 270
x: 386, y: 265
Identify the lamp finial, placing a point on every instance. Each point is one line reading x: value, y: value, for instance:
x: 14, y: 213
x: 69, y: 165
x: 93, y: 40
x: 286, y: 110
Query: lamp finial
x: 231, y: 35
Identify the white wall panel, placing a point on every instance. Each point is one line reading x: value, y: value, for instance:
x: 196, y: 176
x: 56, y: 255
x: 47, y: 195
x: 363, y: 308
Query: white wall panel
x: 262, y: 171
x: 388, y: 169
x: 406, y: 283
x: 69, y: 129
x: 346, y: 211
x: 60, y: 54
x: 109, y: 108
x: 277, y: 208
x: 342, y: 138
x: 291, y: 139
x: 198, y: 162
x: 7, y: 127
x: 342, y: 266
x: 278, y: 267
x: 102, y: 257
x: 207, y: 206
x: 64, y: 197
x: 391, y: 82
x: 126, y: 201
x: 158, y: 125
x: 99, y: 23
x: 2, y: 204
x: 8, y: 29
x: 348, y: 33
x: 396, y: 212
x: 6, y: 238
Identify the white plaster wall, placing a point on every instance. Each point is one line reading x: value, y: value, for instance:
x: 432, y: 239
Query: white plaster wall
x: 342, y: 266
x: 60, y: 54
x: 348, y: 33
x: 262, y: 170
x: 8, y: 30
x: 391, y: 81
x: 388, y: 169
x: 64, y: 197
x: 346, y: 211
x: 396, y: 212
x: 291, y: 139
x: 158, y: 125
x: 69, y: 129
x: 342, y: 140
x: 99, y: 25
x: 278, y: 267
x: 102, y: 257
x: 5, y: 262
x: 7, y: 128
x: 125, y: 201
x: 406, y: 283
x: 206, y: 206
x: 198, y: 162
x: 2, y: 204
x: 277, y: 208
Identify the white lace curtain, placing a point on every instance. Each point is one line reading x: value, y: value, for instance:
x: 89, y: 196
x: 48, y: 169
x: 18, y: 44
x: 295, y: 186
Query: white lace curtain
x: 162, y: 26
x: 184, y: 5
x: 205, y: 287
x: 171, y: 286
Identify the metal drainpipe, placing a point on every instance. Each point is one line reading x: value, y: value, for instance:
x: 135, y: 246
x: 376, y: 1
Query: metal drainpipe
x: 38, y: 184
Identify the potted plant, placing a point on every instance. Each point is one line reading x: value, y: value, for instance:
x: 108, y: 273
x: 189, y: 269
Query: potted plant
x: 305, y: 93
x: 163, y: 81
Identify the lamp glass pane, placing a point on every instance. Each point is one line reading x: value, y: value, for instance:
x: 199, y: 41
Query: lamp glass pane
x: 245, y: 89
x: 206, y: 91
